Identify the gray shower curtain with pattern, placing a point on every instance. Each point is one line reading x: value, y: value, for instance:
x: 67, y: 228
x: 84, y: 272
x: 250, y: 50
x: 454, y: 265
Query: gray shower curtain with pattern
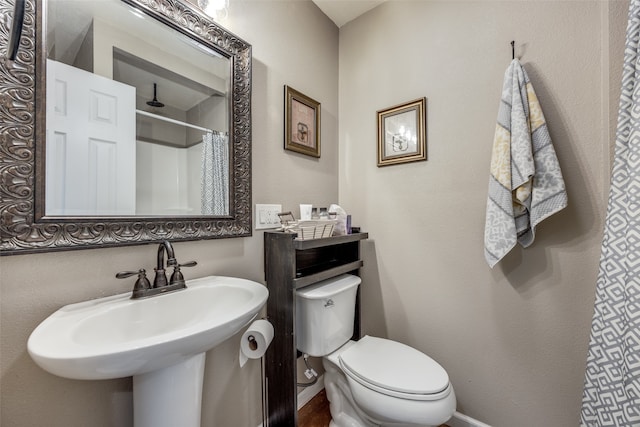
x: 611, y: 394
x: 215, y: 174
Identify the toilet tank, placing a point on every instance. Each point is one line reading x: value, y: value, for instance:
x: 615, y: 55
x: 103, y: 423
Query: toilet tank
x: 325, y: 313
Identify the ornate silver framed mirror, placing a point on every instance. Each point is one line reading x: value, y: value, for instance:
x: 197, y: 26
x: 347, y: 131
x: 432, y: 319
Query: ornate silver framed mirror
x: 178, y: 86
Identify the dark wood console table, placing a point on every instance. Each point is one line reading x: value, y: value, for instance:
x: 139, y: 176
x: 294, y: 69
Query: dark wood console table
x: 291, y: 264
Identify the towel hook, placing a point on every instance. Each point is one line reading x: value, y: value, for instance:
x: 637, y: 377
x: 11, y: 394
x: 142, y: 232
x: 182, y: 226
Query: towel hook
x: 513, y: 49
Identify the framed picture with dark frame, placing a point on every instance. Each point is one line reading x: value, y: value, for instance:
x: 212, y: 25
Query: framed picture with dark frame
x: 302, y: 123
x: 402, y: 133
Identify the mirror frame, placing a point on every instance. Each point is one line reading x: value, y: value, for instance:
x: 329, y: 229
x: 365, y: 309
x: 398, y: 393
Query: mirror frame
x: 24, y: 228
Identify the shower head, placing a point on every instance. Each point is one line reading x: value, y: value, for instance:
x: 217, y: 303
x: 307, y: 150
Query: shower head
x: 155, y: 102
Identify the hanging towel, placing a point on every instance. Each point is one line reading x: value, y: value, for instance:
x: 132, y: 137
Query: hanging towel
x: 526, y: 184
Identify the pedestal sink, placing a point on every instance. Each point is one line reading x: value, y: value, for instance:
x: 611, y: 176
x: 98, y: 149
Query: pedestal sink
x: 161, y: 341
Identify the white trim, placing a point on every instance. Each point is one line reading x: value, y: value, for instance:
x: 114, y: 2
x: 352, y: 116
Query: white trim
x: 309, y: 393
x: 461, y: 420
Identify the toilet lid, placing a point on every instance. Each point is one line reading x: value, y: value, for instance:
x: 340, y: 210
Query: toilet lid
x: 394, y: 366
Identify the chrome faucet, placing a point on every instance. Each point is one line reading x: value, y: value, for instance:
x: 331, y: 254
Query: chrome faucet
x: 143, y: 287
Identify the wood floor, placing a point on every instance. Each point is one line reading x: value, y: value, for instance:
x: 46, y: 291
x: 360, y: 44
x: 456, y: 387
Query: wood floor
x: 316, y: 412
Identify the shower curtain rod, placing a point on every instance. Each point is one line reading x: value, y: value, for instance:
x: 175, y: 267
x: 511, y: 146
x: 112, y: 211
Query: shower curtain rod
x: 174, y: 121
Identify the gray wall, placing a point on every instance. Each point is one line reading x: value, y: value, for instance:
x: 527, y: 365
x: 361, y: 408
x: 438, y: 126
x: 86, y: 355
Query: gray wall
x: 302, y: 53
x: 513, y: 339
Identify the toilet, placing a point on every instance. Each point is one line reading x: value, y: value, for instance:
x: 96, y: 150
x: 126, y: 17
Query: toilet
x: 373, y: 381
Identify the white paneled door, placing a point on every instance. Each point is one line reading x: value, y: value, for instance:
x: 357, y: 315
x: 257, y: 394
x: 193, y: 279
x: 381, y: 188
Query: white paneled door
x: 91, y: 144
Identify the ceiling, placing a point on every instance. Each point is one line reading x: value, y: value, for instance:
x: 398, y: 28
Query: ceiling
x: 343, y: 11
x: 69, y: 23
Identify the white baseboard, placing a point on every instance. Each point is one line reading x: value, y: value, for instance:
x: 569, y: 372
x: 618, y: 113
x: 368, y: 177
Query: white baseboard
x: 309, y: 392
x: 461, y: 420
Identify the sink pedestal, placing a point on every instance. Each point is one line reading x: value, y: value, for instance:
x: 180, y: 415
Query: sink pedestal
x: 171, y: 396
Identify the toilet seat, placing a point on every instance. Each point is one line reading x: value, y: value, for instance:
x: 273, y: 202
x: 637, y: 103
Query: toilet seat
x: 395, y: 369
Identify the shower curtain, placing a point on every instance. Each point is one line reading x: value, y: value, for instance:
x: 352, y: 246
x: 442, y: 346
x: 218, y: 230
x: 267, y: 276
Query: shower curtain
x: 214, y: 187
x: 611, y: 394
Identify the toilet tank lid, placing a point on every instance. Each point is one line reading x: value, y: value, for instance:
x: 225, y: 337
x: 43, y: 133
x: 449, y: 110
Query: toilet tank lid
x: 394, y: 366
x: 329, y: 287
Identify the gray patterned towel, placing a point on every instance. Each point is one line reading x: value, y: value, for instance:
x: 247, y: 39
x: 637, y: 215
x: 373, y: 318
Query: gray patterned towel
x: 526, y: 184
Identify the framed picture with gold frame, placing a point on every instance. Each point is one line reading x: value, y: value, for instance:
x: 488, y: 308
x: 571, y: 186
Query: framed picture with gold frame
x: 302, y: 123
x: 402, y: 133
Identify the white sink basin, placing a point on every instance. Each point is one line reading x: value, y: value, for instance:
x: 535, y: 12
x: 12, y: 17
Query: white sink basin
x: 117, y: 337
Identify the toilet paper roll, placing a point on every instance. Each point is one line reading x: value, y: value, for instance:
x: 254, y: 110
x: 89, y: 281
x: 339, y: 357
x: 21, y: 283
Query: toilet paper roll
x: 255, y: 340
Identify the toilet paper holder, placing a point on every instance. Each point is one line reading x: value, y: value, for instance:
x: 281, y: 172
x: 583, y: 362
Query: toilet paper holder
x: 253, y: 344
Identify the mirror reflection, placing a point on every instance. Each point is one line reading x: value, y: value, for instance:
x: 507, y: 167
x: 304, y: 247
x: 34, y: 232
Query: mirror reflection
x: 137, y: 116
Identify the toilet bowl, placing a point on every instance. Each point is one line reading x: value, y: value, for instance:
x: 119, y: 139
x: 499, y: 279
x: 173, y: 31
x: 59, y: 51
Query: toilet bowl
x: 372, y: 381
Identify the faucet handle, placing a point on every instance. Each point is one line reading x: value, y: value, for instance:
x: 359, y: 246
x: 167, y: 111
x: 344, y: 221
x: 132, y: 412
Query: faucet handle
x: 177, y: 278
x: 125, y: 274
x: 188, y: 264
x: 142, y: 283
